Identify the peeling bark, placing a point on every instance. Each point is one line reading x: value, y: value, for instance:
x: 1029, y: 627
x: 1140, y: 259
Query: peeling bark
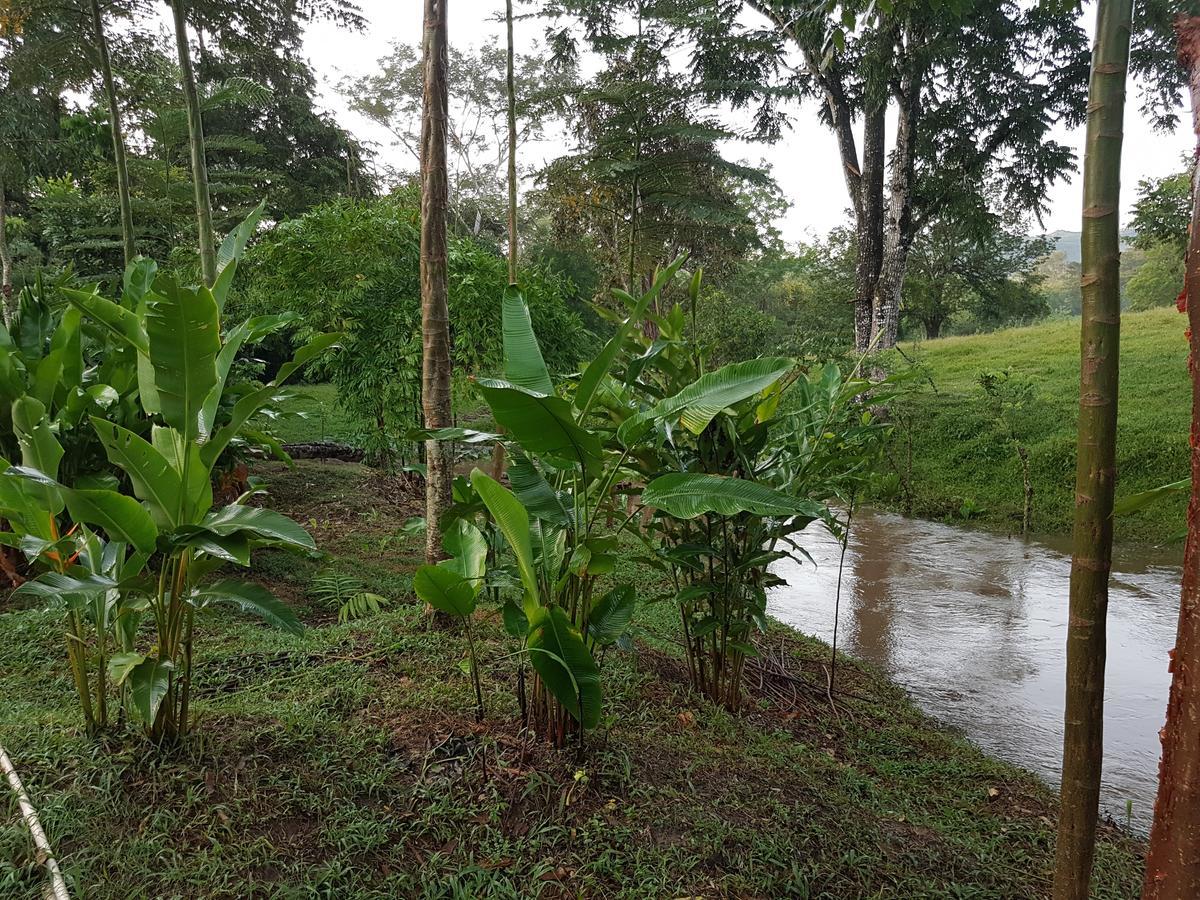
x: 1173, y: 860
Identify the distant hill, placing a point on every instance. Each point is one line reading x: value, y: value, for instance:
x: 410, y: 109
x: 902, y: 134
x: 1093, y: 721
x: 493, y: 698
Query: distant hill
x: 1068, y: 242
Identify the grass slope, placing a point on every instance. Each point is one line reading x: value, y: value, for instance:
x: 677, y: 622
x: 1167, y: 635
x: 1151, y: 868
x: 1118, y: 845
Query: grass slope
x: 958, y: 454
x: 347, y: 764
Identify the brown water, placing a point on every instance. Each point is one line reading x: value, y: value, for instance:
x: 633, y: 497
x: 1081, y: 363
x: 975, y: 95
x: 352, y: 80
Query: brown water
x: 974, y: 626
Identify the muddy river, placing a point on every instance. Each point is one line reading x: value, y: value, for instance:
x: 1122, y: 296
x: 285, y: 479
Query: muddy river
x: 973, y: 624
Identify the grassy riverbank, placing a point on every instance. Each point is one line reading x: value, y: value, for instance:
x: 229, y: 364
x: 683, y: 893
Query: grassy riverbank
x: 347, y: 763
x: 962, y: 467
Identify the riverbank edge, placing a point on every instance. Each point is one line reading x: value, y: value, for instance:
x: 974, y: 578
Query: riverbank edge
x: 350, y: 757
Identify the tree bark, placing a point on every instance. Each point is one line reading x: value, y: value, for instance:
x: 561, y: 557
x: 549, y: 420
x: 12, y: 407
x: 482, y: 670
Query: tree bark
x: 1095, y: 472
x: 128, y: 243
x: 1173, y: 860
x: 510, y: 86
x: 435, y: 313
x: 208, y: 251
x: 6, y: 266
x: 868, y: 228
x: 898, y: 228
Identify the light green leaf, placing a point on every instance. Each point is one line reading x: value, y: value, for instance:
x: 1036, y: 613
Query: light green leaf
x: 264, y: 525
x: 535, y: 492
x: 610, y: 617
x: 513, y: 522
x: 122, y: 517
x: 183, y: 327
x: 541, y: 424
x: 252, y: 598
x: 523, y: 362
x: 444, y: 588
x: 155, y: 480
x: 230, y: 253
x: 116, y: 319
x: 558, y: 654
x: 686, y: 495
x: 148, y: 682
x: 466, y: 544
x: 698, y: 403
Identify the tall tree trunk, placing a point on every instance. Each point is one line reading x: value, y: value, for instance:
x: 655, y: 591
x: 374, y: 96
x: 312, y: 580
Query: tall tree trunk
x: 208, y: 251
x: 511, y: 90
x: 118, y: 138
x: 1095, y: 472
x: 6, y: 266
x: 868, y: 211
x: 1173, y: 860
x: 898, y: 228
x: 435, y: 312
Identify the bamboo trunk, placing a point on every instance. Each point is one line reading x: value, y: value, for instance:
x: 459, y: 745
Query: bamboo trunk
x: 1095, y: 473
x: 45, y: 856
x: 208, y: 252
x: 435, y: 313
x: 1173, y: 860
x: 114, y: 117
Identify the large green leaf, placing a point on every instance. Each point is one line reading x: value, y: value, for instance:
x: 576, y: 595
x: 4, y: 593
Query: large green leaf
x: 468, y: 547
x: 154, y: 479
x: 686, y: 495
x: 148, y: 682
x: 698, y: 403
x: 40, y: 451
x: 601, y: 365
x: 122, y: 517
x: 264, y: 525
x: 136, y: 283
x: 116, y: 319
x: 535, y: 492
x: 523, y: 362
x: 558, y: 654
x: 513, y: 522
x: 610, y: 617
x: 252, y: 598
x: 183, y: 326
x: 230, y: 253
x: 541, y: 424
x: 184, y: 457
x: 445, y: 589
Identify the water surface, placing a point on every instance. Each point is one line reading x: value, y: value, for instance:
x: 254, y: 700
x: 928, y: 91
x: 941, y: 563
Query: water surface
x: 973, y: 624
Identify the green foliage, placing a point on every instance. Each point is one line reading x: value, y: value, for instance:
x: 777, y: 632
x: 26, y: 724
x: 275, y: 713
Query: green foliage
x: 345, y: 595
x: 114, y: 551
x: 1162, y: 212
x: 354, y: 266
x: 1159, y: 279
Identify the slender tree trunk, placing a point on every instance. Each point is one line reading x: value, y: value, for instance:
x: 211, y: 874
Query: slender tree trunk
x: 208, y: 251
x: 1173, y: 860
x: 898, y: 229
x: 435, y: 313
x: 1095, y: 472
x: 6, y: 266
x: 118, y: 138
x: 869, y: 225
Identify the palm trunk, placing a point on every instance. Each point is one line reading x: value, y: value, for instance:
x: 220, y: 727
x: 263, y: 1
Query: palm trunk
x: 1095, y: 471
x: 6, y: 266
x: 1173, y: 860
x: 435, y: 313
x: 118, y: 138
x: 208, y: 252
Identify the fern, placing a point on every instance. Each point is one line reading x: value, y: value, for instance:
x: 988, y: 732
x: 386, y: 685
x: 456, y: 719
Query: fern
x: 347, y: 595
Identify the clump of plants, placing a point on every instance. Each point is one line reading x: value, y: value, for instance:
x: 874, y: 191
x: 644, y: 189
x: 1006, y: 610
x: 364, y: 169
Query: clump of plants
x: 141, y: 538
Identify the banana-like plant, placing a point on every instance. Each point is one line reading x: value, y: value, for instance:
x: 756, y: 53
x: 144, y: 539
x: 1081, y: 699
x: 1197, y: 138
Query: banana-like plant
x: 165, y: 538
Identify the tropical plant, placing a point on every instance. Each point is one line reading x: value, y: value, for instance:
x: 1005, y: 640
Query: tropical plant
x: 346, y: 595
x: 165, y: 536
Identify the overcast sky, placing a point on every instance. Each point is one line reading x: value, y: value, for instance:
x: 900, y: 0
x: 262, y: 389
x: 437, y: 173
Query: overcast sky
x: 805, y: 161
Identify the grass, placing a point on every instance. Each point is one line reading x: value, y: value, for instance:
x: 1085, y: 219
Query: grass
x: 961, y: 464
x: 347, y: 763
x: 313, y: 414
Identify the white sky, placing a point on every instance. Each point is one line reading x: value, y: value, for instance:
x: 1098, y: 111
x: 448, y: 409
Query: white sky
x: 805, y: 161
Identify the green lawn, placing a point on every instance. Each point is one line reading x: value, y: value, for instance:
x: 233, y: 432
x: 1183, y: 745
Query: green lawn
x: 958, y: 455
x: 347, y: 763
x: 313, y: 414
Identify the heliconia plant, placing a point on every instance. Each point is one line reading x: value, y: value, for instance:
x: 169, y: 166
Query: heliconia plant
x: 165, y: 537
